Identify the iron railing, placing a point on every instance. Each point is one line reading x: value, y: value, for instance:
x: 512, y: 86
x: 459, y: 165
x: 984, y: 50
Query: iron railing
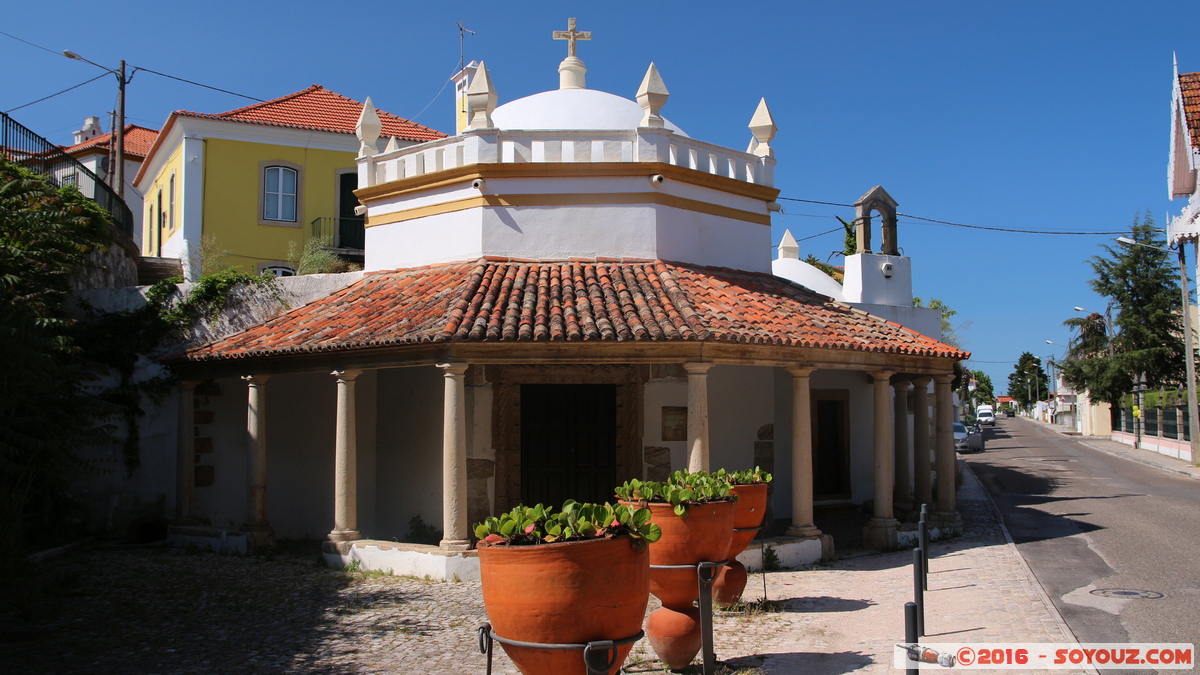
x: 345, y: 233
x: 20, y: 145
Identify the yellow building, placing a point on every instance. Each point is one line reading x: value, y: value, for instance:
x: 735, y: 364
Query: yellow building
x: 260, y: 181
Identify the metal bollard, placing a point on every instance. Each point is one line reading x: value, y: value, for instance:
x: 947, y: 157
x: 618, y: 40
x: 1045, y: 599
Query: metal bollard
x: 910, y: 633
x: 707, y: 574
x: 918, y: 591
x: 923, y: 545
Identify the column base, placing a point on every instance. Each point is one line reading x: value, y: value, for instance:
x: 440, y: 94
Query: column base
x: 454, y: 545
x: 950, y: 522
x: 259, y: 537
x: 344, y: 535
x: 802, y: 531
x: 880, y: 533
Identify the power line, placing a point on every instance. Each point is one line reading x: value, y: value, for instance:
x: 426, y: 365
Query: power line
x: 814, y: 236
x: 973, y: 227
x: 56, y: 93
x: 435, y: 96
x: 198, y: 84
x: 45, y: 49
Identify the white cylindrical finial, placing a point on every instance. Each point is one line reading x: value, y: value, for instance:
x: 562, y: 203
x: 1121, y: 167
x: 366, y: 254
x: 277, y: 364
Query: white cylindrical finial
x: 762, y: 125
x: 788, y: 248
x: 481, y: 97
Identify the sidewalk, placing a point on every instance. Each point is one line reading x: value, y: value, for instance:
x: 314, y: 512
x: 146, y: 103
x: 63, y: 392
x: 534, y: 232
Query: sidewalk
x: 1117, y: 449
x: 164, y: 611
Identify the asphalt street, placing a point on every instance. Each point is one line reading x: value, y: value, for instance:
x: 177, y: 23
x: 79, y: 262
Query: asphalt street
x: 1115, y: 544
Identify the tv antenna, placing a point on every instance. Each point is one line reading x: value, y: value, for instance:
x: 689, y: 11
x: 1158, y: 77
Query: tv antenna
x: 462, y: 34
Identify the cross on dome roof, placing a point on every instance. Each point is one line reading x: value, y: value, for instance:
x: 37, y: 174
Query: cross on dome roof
x: 571, y: 35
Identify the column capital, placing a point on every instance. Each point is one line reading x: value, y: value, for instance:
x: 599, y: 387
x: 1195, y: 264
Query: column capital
x: 697, y: 367
x: 922, y: 381
x: 884, y: 375
x: 901, y: 384
x: 454, y: 368
x: 801, y: 371
x: 346, y: 374
x: 254, y: 380
x: 943, y: 378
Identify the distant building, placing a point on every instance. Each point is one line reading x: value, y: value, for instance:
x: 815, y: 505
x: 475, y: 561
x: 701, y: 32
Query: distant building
x: 260, y: 178
x: 93, y: 149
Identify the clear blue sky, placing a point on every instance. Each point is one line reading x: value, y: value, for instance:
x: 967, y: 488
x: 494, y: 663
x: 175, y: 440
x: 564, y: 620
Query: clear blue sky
x: 1023, y: 115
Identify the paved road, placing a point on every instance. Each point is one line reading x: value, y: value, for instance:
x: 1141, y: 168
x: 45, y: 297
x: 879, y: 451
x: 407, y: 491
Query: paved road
x: 1088, y: 522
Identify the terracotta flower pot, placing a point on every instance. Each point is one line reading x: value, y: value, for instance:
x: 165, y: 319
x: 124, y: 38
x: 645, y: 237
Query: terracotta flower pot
x: 703, y: 535
x: 572, y: 592
x: 748, y: 512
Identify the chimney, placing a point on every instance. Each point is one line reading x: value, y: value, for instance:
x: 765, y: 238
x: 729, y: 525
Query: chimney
x: 91, y: 129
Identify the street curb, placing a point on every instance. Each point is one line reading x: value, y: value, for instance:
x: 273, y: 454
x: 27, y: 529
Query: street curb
x: 1153, y: 465
x: 1062, y: 624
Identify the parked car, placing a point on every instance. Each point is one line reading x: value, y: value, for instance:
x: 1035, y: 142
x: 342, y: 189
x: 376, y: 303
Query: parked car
x: 1008, y: 412
x: 986, y: 417
x: 968, y: 439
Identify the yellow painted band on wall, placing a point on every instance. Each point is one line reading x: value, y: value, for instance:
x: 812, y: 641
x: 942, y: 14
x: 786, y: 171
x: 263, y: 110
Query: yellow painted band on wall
x: 570, y: 199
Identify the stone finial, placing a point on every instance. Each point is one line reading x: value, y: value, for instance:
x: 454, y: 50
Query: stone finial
x: 393, y: 144
x: 788, y: 248
x: 368, y: 130
x: 481, y: 97
x: 572, y: 74
x: 762, y: 125
x: 652, y: 96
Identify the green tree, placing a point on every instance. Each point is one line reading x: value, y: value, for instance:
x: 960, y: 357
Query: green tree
x: 1028, y: 382
x: 984, y: 392
x: 1146, y: 336
x: 46, y: 410
x: 949, y: 333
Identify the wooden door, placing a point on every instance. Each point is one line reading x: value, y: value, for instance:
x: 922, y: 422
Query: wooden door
x: 568, y: 443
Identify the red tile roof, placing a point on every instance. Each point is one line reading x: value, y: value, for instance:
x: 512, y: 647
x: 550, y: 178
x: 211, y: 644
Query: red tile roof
x: 1189, y: 86
x: 502, y: 301
x: 323, y: 110
x: 137, y: 141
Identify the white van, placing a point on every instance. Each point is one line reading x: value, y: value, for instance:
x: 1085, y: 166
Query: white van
x: 985, y: 415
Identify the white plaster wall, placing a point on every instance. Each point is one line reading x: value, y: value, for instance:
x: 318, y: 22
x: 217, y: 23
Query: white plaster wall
x: 409, y: 449
x: 864, y: 281
x: 740, y: 400
x: 301, y: 424
x: 655, y: 395
x: 921, y: 319
x: 560, y: 232
x: 115, y: 499
x: 224, y: 502
x: 423, y: 241
x: 704, y: 239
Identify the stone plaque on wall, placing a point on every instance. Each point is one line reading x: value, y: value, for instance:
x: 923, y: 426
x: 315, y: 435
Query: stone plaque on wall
x: 674, y: 423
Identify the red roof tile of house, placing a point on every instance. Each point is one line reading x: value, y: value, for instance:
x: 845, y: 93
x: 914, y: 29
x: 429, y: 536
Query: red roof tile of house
x: 320, y: 109
x: 501, y: 301
x: 137, y: 141
x: 1189, y: 86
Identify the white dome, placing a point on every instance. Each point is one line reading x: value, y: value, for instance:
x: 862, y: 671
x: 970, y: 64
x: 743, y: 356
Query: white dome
x: 568, y: 109
x: 807, y: 276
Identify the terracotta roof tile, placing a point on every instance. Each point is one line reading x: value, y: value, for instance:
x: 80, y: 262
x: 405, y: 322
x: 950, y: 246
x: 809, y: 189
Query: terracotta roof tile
x: 487, y: 301
x: 1189, y: 86
x: 137, y: 141
x: 320, y: 109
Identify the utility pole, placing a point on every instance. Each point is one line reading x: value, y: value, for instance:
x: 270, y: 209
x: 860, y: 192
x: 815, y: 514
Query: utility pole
x: 119, y: 133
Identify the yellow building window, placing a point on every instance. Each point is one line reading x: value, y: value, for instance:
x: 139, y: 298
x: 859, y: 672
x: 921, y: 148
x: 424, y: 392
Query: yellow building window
x: 279, y: 194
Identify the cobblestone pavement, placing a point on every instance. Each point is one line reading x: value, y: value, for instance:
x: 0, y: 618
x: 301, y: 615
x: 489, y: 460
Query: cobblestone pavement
x: 168, y: 611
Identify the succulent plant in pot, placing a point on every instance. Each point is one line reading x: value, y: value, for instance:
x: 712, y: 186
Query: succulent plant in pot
x: 695, y: 512
x: 751, y: 487
x: 572, y: 576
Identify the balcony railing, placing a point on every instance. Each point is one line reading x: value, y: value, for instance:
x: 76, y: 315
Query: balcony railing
x: 20, y: 145
x: 343, y: 233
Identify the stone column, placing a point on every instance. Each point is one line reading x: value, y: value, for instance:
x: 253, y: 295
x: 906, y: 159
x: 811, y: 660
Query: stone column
x: 947, y: 460
x: 185, y: 460
x: 880, y: 532
x: 257, y: 527
x: 903, y: 493
x: 454, y: 458
x: 802, y: 455
x: 345, y: 469
x: 922, y: 486
x: 697, y: 422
